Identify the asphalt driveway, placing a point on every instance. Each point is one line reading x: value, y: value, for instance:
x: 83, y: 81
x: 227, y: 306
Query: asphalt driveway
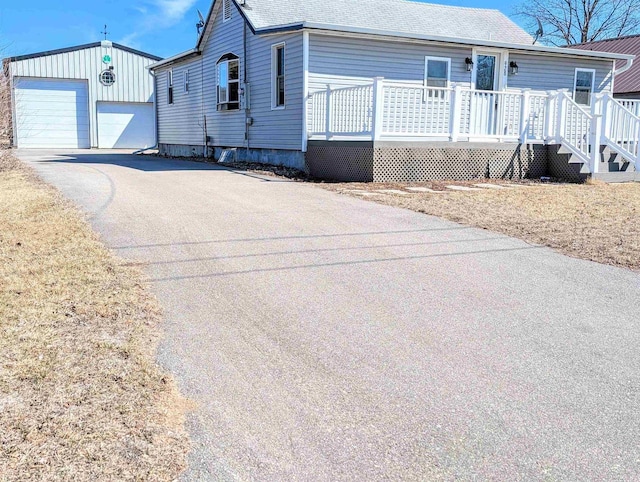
x: 331, y: 338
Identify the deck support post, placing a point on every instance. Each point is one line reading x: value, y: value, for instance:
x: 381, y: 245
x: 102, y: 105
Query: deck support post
x: 525, y: 108
x: 455, y: 114
x: 378, y: 108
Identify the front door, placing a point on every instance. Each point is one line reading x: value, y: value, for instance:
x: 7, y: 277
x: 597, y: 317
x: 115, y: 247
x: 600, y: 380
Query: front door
x: 484, y: 107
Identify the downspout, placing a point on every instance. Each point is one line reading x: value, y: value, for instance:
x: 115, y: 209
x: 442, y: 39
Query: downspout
x: 624, y: 68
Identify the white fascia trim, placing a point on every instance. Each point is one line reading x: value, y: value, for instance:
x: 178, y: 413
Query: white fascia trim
x: 175, y: 58
x: 564, y: 52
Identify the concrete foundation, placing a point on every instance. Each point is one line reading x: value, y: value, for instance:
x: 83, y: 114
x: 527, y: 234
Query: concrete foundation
x: 276, y: 157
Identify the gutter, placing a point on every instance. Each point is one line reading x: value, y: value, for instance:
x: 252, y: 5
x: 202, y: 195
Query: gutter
x: 624, y: 68
x: 176, y: 58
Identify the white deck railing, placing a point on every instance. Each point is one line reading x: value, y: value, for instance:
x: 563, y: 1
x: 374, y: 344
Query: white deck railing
x: 403, y: 111
x: 622, y: 129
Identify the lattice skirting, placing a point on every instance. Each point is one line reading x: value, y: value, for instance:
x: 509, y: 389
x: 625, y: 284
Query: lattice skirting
x: 340, y: 161
x: 400, y: 162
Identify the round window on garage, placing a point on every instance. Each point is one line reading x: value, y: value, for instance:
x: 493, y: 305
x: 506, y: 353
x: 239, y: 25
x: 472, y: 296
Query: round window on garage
x: 107, y: 77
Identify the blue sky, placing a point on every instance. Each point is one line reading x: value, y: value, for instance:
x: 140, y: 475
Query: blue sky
x: 160, y: 27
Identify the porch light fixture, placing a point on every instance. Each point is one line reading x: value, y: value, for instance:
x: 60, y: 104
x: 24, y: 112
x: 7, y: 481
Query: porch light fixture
x: 513, y: 68
x: 469, y: 63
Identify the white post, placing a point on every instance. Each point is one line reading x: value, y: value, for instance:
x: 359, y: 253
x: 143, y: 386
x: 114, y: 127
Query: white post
x: 562, y: 118
x: 327, y: 115
x: 606, y: 118
x: 525, y: 108
x: 552, y: 98
x: 378, y: 108
x: 637, y: 140
x: 594, y: 142
x: 455, y: 113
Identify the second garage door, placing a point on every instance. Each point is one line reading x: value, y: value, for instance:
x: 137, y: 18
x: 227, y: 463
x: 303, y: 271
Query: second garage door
x: 123, y: 125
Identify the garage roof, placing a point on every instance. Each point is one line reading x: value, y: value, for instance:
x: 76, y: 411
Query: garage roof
x: 81, y: 47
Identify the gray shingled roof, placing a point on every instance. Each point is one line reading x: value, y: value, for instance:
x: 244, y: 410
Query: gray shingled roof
x: 399, y: 16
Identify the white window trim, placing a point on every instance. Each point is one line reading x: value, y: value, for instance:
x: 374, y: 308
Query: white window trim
x: 227, y: 101
x: 593, y: 82
x: 170, y: 96
x: 186, y: 81
x: 438, y: 59
x: 226, y: 5
x: 274, y: 70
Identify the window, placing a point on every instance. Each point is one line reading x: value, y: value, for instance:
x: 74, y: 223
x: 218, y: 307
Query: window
x: 186, y: 81
x: 277, y: 77
x: 437, y: 72
x: 228, y: 82
x: 227, y: 8
x: 583, y: 86
x: 170, y: 87
x: 107, y: 77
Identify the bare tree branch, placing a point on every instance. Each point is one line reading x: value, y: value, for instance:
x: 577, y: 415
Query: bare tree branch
x: 568, y: 22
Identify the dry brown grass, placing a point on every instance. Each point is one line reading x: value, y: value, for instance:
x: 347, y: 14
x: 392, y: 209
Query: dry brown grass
x: 81, y: 397
x: 595, y: 221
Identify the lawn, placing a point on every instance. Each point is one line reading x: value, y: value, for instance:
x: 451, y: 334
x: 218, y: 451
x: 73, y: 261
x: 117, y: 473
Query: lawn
x: 594, y: 221
x: 81, y: 397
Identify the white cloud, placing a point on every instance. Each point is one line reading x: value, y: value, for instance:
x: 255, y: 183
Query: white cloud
x: 157, y: 14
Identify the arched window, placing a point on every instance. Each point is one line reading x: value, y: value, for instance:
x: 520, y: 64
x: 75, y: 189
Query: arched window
x: 228, y: 69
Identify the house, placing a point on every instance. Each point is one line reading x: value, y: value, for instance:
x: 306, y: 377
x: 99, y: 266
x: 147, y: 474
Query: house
x: 382, y: 90
x: 94, y: 95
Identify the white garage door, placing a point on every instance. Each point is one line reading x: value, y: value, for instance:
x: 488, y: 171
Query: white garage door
x: 51, y: 113
x: 124, y: 125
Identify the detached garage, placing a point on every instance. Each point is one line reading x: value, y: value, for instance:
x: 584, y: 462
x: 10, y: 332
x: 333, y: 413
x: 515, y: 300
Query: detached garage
x: 96, y: 95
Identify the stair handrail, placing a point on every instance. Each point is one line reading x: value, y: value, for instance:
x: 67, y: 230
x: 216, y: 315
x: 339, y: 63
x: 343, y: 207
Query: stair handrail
x: 622, y: 130
x: 575, y: 129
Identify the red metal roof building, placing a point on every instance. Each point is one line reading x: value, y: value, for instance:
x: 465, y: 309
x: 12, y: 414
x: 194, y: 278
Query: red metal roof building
x: 627, y: 84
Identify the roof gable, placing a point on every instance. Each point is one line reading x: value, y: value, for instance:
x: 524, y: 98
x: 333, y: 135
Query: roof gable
x: 83, y: 47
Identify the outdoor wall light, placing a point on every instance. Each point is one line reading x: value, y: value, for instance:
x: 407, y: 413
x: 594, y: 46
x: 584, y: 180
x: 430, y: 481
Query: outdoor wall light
x: 469, y: 64
x: 513, y: 68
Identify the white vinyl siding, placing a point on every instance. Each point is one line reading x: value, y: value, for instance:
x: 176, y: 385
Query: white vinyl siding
x: 343, y: 61
x: 279, y: 128
x: 183, y: 123
x: 134, y: 82
x: 539, y: 72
